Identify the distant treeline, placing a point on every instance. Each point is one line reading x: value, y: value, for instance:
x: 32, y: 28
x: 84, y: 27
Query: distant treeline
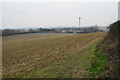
x: 7, y: 32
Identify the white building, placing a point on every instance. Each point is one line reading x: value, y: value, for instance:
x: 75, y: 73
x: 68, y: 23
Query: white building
x: 119, y: 10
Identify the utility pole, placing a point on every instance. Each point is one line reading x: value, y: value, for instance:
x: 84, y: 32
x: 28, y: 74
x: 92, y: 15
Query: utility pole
x: 119, y: 10
x: 79, y: 21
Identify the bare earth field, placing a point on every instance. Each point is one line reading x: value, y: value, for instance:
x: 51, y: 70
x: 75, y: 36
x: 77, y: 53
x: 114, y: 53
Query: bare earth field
x: 24, y: 54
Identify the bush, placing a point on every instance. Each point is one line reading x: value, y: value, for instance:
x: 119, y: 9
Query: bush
x: 111, y: 46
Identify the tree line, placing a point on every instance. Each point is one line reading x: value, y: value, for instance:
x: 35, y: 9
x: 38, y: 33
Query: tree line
x: 7, y: 32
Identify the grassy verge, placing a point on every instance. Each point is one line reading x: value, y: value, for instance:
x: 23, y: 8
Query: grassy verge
x: 72, y: 66
x: 77, y: 65
x: 99, y: 62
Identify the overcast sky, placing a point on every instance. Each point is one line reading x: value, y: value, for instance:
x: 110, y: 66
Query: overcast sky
x: 54, y: 14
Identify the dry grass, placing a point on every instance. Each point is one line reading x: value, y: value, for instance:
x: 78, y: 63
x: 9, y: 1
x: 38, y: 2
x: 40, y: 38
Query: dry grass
x: 25, y: 53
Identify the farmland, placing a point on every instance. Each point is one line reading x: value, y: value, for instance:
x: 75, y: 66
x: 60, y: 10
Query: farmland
x: 47, y: 55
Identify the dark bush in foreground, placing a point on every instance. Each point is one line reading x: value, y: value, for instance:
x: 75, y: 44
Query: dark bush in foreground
x: 111, y: 46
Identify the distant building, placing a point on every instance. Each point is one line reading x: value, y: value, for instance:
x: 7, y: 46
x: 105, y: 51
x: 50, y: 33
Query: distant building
x: 103, y: 28
x: 63, y: 31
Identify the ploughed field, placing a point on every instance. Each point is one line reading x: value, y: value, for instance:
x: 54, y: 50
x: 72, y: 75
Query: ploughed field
x: 27, y: 55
